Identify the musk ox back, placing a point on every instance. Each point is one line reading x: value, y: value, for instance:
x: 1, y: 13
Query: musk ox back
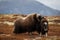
x: 26, y: 24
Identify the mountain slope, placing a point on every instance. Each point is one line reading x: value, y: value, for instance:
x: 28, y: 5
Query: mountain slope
x: 26, y: 7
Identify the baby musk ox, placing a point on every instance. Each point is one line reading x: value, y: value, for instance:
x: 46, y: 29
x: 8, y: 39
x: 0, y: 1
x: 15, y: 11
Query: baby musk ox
x: 30, y: 23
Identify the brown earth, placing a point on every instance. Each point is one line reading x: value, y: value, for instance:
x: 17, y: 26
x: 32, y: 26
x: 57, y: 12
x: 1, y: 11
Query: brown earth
x: 6, y: 29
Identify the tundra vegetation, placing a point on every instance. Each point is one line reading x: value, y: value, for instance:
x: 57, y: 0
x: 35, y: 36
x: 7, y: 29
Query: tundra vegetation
x: 7, y: 27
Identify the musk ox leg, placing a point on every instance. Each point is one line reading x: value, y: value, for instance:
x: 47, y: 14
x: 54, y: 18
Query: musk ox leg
x: 30, y: 30
x: 46, y: 34
x: 16, y: 30
x: 40, y: 34
x: 29, y: 33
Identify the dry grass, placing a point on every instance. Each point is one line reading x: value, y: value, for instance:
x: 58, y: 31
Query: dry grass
x: 6, y: 30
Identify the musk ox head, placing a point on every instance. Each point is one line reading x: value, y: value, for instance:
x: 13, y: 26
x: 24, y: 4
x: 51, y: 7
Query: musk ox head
x: 44, y: 26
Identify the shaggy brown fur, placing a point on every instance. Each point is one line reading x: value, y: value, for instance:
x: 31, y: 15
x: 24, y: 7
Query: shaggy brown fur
x: 26, y: 24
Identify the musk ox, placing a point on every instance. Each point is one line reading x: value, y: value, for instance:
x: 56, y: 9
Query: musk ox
x: 30, y: 23
x: 27, y: 24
